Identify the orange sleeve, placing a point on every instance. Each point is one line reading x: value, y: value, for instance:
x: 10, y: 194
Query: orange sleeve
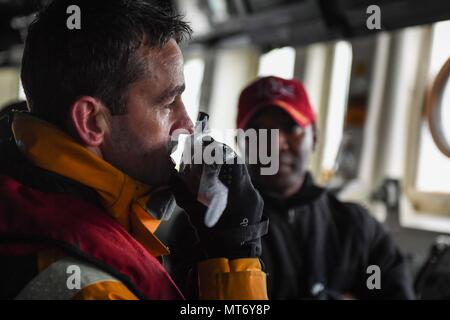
x: 239, y: 279
x: 105, y: 290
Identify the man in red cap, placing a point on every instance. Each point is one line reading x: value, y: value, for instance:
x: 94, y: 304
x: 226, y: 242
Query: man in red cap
x: 317, y: 246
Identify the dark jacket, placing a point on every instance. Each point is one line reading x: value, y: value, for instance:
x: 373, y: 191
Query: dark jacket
x: 318, y: 246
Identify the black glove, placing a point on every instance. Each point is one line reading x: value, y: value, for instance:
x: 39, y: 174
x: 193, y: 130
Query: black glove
x: 238, y: 232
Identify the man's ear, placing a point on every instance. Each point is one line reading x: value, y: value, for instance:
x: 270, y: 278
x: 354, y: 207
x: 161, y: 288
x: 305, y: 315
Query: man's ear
x: 87, y: 117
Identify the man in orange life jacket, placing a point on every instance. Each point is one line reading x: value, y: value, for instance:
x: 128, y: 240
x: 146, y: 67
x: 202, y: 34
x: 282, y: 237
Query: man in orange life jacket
x: 80, y: 173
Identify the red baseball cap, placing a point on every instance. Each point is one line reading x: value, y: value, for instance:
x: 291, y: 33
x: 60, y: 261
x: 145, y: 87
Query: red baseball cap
x: 289, y: 95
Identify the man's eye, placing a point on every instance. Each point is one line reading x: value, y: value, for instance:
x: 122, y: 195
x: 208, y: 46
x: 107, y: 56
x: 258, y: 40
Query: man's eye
x: 171, y: 104
x: 175, y: 101
x: 297, y: 130
x: 292, y: 129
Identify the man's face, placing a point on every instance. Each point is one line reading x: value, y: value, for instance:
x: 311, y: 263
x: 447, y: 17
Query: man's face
x: 295, y: 146
x: 139, y: 142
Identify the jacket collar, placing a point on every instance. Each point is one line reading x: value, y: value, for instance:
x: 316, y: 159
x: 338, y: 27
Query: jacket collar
x: 308, y: 193
x: 122, y: 197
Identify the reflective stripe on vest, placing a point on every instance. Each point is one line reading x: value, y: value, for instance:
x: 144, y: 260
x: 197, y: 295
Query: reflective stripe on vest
x: 57, y: 280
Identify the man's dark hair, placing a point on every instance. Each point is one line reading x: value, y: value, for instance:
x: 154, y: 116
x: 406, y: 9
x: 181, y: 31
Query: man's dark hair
x: 99, y: 60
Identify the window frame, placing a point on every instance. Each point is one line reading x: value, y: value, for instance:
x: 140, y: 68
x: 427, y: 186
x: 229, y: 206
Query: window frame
x: 417, y: 205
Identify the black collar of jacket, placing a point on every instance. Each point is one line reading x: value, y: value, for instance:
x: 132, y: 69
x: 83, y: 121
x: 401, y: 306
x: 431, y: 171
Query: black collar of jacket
x: 309, y: 192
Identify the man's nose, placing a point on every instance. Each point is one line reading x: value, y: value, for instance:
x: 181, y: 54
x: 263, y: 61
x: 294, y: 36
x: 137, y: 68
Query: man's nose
x: 283, y: 143
x: 183, y: 122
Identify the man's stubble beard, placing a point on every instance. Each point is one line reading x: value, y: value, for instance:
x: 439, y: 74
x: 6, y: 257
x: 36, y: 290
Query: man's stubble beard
x: 126, y: 153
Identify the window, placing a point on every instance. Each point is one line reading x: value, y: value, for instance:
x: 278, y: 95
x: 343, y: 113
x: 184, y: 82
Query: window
x: 9, y: 85
x: 22, y: 95
x: 235, y: 68
x: 433, y: 174
x: 278, y: 62
x: 337, y: 103
x: 219, y: 10
x: 193, y: 73
x: 196, y: 15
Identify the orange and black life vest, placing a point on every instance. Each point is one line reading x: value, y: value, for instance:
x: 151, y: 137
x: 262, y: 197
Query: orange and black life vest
x: 31, y: 221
